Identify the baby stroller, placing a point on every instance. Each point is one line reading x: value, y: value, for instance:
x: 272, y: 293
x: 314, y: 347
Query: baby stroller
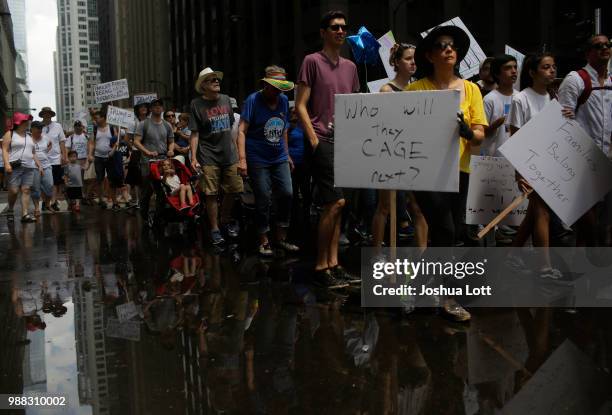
x: 167, y: 206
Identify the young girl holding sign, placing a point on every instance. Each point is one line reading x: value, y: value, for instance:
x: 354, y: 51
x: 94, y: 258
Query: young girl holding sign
x: 537, y: 76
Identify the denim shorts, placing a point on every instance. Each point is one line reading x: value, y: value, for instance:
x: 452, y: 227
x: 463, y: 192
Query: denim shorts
x: 43, y: 183
x: 22, y: 177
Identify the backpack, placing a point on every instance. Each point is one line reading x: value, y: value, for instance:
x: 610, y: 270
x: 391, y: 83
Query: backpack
x: 588, y: 88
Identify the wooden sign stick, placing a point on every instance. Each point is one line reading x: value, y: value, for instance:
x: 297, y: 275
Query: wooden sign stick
x: 515, y: 203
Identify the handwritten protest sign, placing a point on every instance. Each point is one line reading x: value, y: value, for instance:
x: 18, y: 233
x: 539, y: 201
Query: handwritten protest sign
x: 111, y: 91
x: 128, y: 330
x: 374, y: 86
x: 470, y: 65
x: 144, y: 98
x: 126, y: 311
x: 519, y: 63
x: 403, y: 141
x: 492, y: 187
x: 119, y: 116
x: 561, y: 162
x: 386, y: 43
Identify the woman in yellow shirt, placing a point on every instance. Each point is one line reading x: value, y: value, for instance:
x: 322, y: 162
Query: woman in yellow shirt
x: 437, y: 58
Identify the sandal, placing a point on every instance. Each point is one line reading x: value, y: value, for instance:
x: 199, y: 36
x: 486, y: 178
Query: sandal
x: 37, y: 213
x: 27, y: 219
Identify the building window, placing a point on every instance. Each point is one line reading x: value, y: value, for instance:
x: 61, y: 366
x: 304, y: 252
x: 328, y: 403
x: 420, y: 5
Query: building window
x: 93, y: 30
x: 92, y: 8
x: 83, y: 57
x: 83, y: 65
x: 83, y: 27
x: 81, y: 11
x: 82, y: 34
x: 82, y: 42
x: 80, y: 3
x: 83, y: 50
x: 94, y: 55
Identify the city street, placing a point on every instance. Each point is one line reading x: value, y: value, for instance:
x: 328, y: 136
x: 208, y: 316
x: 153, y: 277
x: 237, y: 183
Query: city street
x: 121, y: 321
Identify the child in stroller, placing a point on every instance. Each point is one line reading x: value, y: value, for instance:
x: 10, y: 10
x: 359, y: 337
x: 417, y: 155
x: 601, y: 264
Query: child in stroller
x: 172, y: 183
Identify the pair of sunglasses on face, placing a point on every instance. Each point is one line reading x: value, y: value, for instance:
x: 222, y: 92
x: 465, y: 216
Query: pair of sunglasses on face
x: 212, y: 80
x: 601, y: 46
x: 441, y: 46
x: 337, y: 27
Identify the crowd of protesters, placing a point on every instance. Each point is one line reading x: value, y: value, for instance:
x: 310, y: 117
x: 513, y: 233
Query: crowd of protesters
x: 286, y: 150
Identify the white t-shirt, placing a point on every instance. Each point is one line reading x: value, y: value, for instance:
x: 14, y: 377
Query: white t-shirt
x: 526, y: 105
x: 22, y: 148
x: 174, y: 183
x: 103, y: 138
x: 42, y: 151
x: 55, y: 132
x: 497, y: 105
x: 78, y: 143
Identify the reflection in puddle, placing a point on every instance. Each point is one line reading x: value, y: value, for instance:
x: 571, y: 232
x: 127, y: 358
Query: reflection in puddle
x: 125, y: 323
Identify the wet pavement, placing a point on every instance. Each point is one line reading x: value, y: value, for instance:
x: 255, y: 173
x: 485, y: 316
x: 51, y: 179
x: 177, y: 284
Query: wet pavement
x: 125, y: 321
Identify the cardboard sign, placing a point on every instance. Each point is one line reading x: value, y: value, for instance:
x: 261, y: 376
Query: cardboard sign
x: 403, y: 141
x: 567, y: 383
x: 144, y: 98
x: 561, y: 162
x: 111, y: 91
x: 119, y: 116
x: 127, y: 311
x: 386, y: 43
x: 128, y: 330
x: 492, y: 187
x: 374, y: 86
x: 470, y: 65
x: 519, y: 64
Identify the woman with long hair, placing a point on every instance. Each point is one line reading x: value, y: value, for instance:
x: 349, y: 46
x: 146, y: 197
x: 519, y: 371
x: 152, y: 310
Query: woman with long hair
x: 437, y: 58
x: 537, y: 77
x: 402, y: 60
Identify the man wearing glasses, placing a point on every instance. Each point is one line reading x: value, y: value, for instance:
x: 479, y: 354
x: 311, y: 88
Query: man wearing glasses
x: 322, y: 75
x: 587, y: 94
x: 213, y: 151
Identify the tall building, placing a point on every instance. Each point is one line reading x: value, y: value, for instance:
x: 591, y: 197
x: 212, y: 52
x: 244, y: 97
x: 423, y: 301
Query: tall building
x: 18, y: 15
x: 8, y: 57
x: 77, y: 58
x: 134, y: 44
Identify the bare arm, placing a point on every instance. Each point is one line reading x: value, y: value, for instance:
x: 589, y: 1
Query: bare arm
x: 302, y: 112
x: 193, y: 145
x: 242, y: 129
x: 6, y: 145
x: 138, y: 144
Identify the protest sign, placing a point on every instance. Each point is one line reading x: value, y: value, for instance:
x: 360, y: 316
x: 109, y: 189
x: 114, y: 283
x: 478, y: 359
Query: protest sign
x: 111, y: 91
x: 374, y: 86
x: 386, y: 43
x: 470, y: 65
x: 144, y: 98
x: 403, y: 141
x: 128, y: 330
x: 126, y: 311
x: 561, y: 162
x: 81, y: 116
x: 492, y: 187
x: 119, y: 116
x: 519, y: 63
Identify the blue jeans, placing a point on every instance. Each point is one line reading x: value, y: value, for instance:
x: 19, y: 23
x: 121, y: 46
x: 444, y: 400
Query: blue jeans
x: 272, y: 181
x: 42, y: 184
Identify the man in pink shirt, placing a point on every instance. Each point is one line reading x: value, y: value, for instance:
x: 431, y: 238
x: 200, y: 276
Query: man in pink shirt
x: 322, y: 75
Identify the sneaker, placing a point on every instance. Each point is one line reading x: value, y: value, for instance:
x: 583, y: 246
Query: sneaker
x: 556, y: 276
x: 287, y: 246
x: 55, y: 206
x: 44, y: 207
x: 102, y: 204
x: 7, y: 211
x: 405, y: 232
x: 232, y: 229
x: 132, y: 205
x: 343, y: 241
x: 507, y: 230
x: 217, y: 238
x: 28, y: 219
x: 265, y: 250
x: 342, y: 274
x: 116, y: 207
x: 324, y: 278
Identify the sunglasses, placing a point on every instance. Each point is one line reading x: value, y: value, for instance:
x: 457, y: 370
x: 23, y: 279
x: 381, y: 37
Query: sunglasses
x: 602, y: 46
x: 443, y: 45
x: 170, y: 116
x: 337, y: 27
x: 211, y: 80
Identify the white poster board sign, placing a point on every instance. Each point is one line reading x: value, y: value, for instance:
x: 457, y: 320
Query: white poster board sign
x: 386, y: 43
x: 470, y: 65
x: 401, y: 141
x: 374, y: 86
x: 128, y: 330
x: 520, y: 57
x: 144, y: 98
x: 81, y: 116
x: 111, y: 91
x: 561, y: 162
x: 127, y: 311
x: 121, y: 117
x: 492, y: 188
